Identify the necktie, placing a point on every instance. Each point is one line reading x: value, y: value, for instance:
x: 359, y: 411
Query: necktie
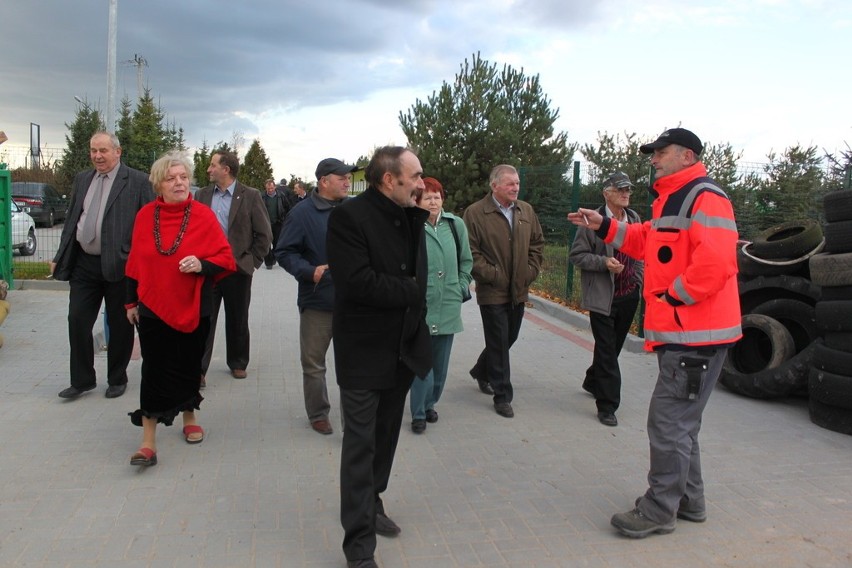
x: 90, y: 227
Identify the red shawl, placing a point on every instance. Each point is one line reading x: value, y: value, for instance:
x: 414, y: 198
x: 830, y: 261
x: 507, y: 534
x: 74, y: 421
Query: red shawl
x: 173, y: 295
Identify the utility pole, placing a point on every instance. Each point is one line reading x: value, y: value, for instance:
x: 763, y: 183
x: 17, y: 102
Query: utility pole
x: 139, y: 62
x: 111, y: 48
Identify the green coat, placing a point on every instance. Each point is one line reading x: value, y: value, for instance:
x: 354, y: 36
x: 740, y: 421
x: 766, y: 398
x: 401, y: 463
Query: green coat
x: 446, y: 278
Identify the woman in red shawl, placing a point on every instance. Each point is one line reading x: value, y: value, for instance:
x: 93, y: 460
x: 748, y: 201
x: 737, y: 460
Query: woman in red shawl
x: 177, y: 252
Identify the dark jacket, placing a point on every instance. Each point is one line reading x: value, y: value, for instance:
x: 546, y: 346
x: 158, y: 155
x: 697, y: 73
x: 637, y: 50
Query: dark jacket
x: 283, y: 206
x: 130, y: 191
x: 377, y: 258
x: 249, y: 230
x: 589, y: 254
x: 505, y: 260
x: 301, y: 248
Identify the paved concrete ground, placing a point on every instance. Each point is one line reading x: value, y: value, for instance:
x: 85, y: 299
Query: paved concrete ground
x: 475, y: 490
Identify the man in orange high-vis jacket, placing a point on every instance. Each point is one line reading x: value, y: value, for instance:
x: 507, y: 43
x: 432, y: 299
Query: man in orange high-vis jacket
x: 692, y: 318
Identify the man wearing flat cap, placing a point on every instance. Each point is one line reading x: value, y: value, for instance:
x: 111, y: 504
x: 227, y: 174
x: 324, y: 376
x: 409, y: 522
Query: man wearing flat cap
x: 692, y: 318
x: 610, y: 284
x: 301, y: 252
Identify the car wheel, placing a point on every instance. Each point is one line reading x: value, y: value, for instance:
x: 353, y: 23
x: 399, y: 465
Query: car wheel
x: 29, y: 247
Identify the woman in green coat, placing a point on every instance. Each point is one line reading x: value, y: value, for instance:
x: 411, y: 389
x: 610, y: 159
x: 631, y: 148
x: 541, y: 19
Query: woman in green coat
x: 450, y: 262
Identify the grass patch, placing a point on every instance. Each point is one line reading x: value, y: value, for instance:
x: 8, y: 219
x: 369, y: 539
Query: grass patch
x: 26, y: 270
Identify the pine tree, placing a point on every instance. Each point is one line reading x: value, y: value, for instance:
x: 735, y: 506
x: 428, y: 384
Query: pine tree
x: 201, y: 158
x: 485, y: 118
x: 255, y: 169
x: 148, y: 139
x: 76, y: 158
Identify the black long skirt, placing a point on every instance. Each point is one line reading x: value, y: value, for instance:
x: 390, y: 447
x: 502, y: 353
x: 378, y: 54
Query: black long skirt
x: 171, y: 369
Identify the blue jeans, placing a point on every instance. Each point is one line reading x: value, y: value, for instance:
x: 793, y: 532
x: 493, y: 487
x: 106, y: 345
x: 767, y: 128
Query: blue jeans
x: 426, y: 392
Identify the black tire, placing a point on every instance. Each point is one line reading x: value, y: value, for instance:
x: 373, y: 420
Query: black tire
x: 749, y: 267
x: 831, y: 269
x: 756, y: 291
x: 830, y: 417
x: 765, y: 346
x: 834, y: 316
x: 838, y: 205
x: 798, y: 317
x: 838, y: 237
x: 30, y: 246
x: 840, y: 340
x: 832, y: 360
x: 790, y: 378
x: 788, y: 240
x: 830, y: 293
x: 830, y: 388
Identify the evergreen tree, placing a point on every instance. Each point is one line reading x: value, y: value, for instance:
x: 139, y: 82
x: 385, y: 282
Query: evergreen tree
x: 201, y: 159
x: 76, y: 158
x: 255, y: 169
x: 124, y: 127
x: 485, y: 118
x: 793, y: 187
x: 148, y: 139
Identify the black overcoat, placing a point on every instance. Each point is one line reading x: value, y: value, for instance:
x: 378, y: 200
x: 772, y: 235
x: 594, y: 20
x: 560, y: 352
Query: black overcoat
x: 380, y: 298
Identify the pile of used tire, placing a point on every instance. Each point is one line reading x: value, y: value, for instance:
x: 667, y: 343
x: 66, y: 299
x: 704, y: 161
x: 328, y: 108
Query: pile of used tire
x: 830, y: 380
x: 796, y: 299
x: 777, y: 299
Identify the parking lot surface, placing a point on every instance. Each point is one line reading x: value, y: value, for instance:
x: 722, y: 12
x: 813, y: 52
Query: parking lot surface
x: 475, y: 490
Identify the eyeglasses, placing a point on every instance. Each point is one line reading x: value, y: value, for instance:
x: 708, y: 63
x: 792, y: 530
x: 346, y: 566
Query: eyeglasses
x: 627, y: 190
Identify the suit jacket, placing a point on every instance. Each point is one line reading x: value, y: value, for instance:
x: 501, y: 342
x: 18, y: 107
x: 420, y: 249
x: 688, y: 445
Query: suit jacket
x: 249, y: 231
x: 380, y: 298
x: 130, y: 191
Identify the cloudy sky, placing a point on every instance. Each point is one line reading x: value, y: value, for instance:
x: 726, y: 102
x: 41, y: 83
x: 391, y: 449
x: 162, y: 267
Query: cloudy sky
x: 313, y: 79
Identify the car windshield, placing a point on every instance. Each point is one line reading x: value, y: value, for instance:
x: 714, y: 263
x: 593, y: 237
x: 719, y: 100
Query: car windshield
x: 14, y: 207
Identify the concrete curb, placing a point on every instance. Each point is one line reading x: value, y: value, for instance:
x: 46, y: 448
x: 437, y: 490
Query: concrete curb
x: 54, y: 285
x: 632, y: 343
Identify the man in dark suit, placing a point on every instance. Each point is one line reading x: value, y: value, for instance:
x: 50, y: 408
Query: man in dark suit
x: 377, y: 259
x: 243, y: 217
x: 91, y: 256
x: 277, y: 207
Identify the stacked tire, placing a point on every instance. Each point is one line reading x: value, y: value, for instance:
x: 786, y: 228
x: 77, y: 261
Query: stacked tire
x: 777, y: 299
x: 830, y: 380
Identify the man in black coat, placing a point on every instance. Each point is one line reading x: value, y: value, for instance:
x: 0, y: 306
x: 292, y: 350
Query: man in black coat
x: 92, y: 253
x: 377, y: 260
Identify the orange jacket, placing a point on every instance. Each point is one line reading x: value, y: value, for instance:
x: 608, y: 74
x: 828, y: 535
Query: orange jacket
x: 689, y: 249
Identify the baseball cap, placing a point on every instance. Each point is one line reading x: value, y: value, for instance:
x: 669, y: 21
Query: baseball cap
x: 334, y: 166
x: 617, y: 179
x: 679, y: 136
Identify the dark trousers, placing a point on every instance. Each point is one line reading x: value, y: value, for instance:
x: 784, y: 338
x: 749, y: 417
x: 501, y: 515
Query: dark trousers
x: 88, y: 290
x: 501, y: 324
x: 603, y: 378
x: 269, y: 259
x: 371, y: 423
x: 235, y: 292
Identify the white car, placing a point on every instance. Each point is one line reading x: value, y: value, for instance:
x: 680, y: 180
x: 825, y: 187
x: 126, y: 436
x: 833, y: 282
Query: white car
x: 23, y: 231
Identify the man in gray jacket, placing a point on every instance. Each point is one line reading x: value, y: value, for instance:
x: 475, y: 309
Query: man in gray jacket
x: 610, y: 282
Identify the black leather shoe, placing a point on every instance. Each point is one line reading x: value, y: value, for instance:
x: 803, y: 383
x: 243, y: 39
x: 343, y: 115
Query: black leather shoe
x: 385, y: 526
x: 362, y: 563
x: 74, y: 392
x: 484, y: 386
x: 504, y: 409
x: 607, y: 418
x: 418, y: 426
x: 115, y: 391
x: 431, y: 416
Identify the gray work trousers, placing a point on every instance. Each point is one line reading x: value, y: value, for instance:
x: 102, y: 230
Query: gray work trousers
x: 673, y: 424
x: 314, y: 339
